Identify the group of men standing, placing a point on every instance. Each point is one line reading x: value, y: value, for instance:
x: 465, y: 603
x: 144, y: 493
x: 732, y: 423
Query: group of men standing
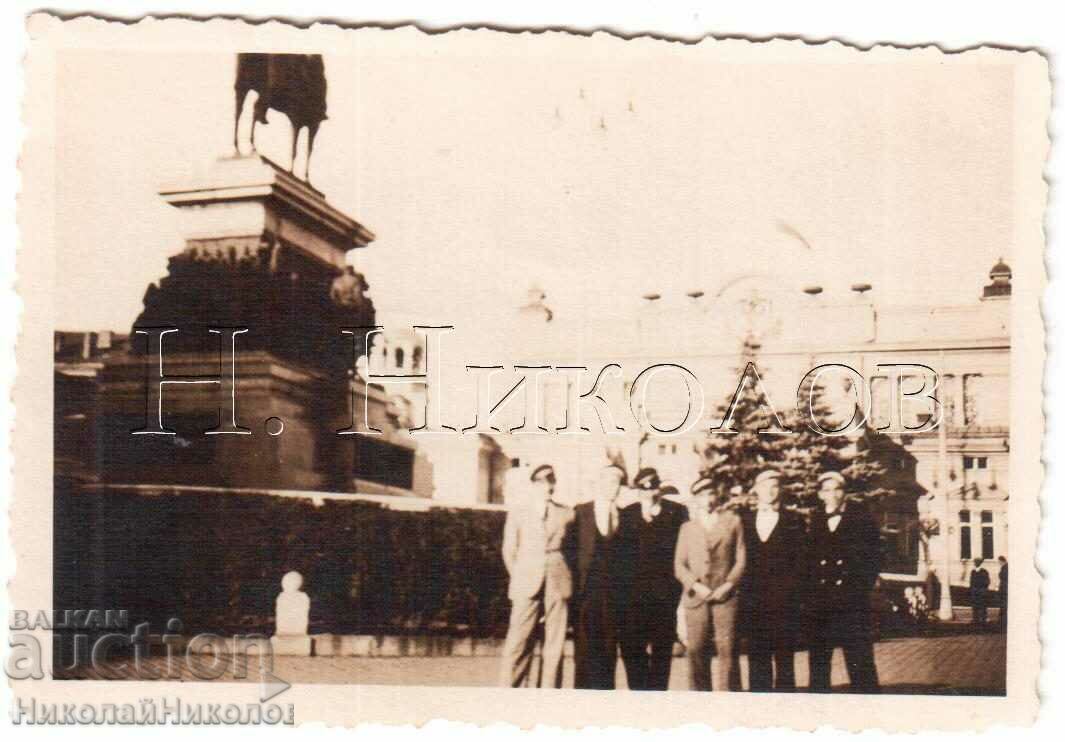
x: 618, y: 566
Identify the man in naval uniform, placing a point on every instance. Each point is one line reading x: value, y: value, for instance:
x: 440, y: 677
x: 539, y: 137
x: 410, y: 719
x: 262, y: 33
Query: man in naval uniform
x: 845, y: 564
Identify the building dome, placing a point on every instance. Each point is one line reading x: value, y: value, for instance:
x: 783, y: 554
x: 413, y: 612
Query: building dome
x: 1001, y: 270
x: 1000, y: 286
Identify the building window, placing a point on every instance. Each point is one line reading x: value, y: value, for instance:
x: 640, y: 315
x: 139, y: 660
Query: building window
x: 399, y: 358
x: 899, y: 541
x: 880, y: 392
x: 416, y: 357
x: 970, y: 397
x: 948, y: 396
x: 987, y: 535
x: 966, y: 535
x: 972, y: 463
x: 913, y: 416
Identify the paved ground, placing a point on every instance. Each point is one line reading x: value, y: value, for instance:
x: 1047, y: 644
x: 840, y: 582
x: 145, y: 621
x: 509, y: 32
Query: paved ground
x: 971, y: 663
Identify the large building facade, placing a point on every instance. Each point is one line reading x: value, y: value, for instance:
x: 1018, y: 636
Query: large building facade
x: 959, y: 472
x: 959, y: 512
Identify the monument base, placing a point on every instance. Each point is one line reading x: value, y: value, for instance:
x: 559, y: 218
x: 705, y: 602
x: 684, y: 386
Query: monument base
x: 291, y: 415
x: 291, y: 645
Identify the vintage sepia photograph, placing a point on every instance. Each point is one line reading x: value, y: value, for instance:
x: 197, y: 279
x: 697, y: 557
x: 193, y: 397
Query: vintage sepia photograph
x: 524, y: 362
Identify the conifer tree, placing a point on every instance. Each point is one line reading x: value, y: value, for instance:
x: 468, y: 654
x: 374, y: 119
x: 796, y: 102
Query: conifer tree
x: 752, y: 437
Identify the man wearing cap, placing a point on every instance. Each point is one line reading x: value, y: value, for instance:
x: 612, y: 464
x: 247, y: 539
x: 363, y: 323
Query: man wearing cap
x: 538, y: 540
x: 771, y: 591
x: 709, y: 563
x: 597, y: 590
x: 647, y: 530
x: 845, y: 564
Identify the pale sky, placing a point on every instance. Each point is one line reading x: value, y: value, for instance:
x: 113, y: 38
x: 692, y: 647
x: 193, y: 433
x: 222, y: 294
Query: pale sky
x: 659, y: 167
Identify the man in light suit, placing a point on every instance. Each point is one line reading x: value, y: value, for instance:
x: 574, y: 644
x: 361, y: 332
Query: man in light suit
x: 709, y: 564
x: 538, y: 540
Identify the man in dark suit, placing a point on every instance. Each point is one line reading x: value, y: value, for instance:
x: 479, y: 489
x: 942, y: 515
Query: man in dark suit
x: 771, y: 591
x: 647, y: 625
x: 845, y: 564
x: 597, y: 596
x: 979, y: 582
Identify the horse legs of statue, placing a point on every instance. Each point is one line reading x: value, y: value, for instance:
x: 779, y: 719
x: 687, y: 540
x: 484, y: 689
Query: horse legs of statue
x: 312, y: 131
x: 242, y: 97
x: 295, y: 139
x: 236, y: 123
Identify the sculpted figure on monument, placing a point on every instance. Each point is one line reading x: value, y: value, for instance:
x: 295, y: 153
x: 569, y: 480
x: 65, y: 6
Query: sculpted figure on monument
x: 293, y: 84
x: 348, y: 289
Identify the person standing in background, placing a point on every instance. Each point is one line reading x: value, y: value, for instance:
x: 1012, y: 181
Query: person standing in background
x: 1003, y: 591
x: 979, y: 582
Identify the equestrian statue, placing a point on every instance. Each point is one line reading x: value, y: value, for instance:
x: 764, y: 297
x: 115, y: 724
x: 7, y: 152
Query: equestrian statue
x: 293, y: 84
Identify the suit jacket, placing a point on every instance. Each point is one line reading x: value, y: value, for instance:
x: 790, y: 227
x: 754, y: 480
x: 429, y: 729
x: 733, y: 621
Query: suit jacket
x: 647, y: 551
x: 711, y: 557
x: 776, y: 569
x: 537, y: 548
x: 979, y: 579
x: 598, y: 557
x: 845, y: 564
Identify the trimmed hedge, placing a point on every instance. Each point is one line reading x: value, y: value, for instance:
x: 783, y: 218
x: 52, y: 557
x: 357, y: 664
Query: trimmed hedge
x: 215, y: 561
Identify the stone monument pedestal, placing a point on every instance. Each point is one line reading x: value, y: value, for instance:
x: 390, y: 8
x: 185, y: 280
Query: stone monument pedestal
x: 292, y: 414
x: 267, y: 253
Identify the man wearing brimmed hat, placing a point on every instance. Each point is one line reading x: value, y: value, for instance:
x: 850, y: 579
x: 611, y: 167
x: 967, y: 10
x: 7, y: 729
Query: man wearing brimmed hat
x: 770, y: 595
x: 538, y: 541
x: 597, y: 594
x: 647, y: 530
x: 710, y: 560
x: 845, y: 565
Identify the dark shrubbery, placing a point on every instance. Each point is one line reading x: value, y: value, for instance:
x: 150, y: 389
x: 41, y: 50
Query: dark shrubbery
x: 215, y: 560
